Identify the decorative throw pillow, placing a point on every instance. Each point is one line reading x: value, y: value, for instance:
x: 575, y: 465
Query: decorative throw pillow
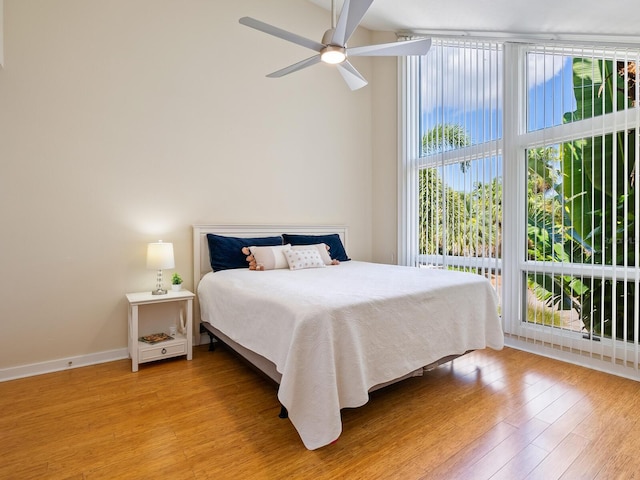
x: 323, y: 250
x: 270, y: 258
x: 336, y: 248
x: 306, y: 258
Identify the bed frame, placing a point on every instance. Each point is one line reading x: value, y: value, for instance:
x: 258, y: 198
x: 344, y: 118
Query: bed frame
x: 201, y: 267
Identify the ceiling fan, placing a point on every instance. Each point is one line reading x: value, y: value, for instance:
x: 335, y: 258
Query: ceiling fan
x: 332, y: 49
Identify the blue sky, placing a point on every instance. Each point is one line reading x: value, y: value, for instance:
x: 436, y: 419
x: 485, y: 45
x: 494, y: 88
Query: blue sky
x: 474, y: 100
x: 549, y: 100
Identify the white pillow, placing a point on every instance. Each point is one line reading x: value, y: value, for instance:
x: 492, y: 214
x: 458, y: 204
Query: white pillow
x: 271, y: 258
x: 322, y: 250
x: 304, y: 258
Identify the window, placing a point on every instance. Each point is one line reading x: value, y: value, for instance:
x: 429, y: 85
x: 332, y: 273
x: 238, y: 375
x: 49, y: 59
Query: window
x: 531, y: 182
x: 457, y: 166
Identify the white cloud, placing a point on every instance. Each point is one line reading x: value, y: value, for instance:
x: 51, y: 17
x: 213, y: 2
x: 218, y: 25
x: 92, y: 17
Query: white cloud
x: 467, y: 76
x: 464, y: 77
x: 542, y: 67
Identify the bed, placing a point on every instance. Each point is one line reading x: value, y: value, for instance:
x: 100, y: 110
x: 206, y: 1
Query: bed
x: 330, y: 335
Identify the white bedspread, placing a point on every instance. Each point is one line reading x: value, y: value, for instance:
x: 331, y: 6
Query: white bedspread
x: 335, y: 332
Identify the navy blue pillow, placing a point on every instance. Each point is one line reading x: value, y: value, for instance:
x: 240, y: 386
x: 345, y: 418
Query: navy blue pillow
x: 336, y: 249
x: 226, y: 252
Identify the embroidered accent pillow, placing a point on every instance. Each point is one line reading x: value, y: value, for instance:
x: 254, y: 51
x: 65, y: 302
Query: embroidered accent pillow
x: 304, y: 258
x: 322, y: 248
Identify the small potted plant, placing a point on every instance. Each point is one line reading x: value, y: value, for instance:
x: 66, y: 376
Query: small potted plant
x: 176, y: 282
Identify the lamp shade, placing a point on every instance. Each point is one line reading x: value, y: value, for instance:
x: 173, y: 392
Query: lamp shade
x: 160, y: 256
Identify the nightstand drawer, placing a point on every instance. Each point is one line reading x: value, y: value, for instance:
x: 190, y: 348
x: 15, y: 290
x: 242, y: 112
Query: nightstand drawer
x: 163, y: 351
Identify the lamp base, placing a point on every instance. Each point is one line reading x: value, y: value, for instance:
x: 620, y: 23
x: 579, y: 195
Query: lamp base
x: 159, y: 284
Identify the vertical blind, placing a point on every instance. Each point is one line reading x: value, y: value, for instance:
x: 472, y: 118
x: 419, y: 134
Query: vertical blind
x: 456, y: 163
x: 580, y: 265
x: 572, y: 243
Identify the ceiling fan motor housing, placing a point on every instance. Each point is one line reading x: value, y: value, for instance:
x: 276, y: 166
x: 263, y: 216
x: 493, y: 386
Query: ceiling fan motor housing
x: 328, y: 36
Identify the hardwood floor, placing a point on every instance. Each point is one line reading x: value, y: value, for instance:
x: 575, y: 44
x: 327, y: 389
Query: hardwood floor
x: 489, y: 415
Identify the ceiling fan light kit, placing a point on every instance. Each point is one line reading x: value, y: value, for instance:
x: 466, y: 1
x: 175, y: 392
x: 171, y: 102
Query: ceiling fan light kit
x: 333, y: 47
x: 333, y: 54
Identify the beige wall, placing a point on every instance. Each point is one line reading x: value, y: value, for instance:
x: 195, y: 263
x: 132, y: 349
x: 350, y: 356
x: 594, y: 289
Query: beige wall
x: 126, y: 122
x: 1, y: 32
x: 384, y: 192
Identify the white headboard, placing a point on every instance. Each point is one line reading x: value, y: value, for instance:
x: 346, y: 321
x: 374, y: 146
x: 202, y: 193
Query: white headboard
x: 201, y: 265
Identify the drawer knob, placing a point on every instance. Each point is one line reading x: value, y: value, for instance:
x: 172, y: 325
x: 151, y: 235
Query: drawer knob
x: 163, y: 351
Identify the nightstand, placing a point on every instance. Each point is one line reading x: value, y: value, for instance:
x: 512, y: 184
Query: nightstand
x: 182, y: 305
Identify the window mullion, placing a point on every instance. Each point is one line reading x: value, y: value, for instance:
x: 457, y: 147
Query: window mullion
x: 513, y: 207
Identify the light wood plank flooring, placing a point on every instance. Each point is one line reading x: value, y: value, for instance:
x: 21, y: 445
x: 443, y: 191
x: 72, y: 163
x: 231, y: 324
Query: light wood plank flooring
x: 490, y: 415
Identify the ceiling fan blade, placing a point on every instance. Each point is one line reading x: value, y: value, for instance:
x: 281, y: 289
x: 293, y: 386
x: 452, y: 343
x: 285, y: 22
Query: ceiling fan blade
x: 295, y: 67
x: 350, y: 17
x: 351, y: 75
x: 283, y: 34
x: 419, y: 46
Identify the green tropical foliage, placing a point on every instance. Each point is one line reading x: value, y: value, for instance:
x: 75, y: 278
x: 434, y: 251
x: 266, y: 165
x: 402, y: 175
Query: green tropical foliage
x: 590, y: 216
x: 592, y: 166
x: 601, y: 202
x: 459, y: 223
x: 455, y: 222
x: 550, y: 236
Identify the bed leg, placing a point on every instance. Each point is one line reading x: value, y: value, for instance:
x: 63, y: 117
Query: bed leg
x: 283, y: 412
x: 212, y: 345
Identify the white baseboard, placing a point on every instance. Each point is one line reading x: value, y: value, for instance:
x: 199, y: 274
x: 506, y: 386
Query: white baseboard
x: 33, y: 369
x: 22, y: 371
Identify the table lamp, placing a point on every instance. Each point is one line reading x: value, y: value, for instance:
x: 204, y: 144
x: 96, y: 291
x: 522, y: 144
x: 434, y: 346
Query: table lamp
x: 160, y: 257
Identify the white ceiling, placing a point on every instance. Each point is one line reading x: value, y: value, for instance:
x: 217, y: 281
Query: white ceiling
x: 570, y: 19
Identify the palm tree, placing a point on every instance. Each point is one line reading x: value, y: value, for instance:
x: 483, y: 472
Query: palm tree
x: 453, y: 222
x: 444, y: 137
